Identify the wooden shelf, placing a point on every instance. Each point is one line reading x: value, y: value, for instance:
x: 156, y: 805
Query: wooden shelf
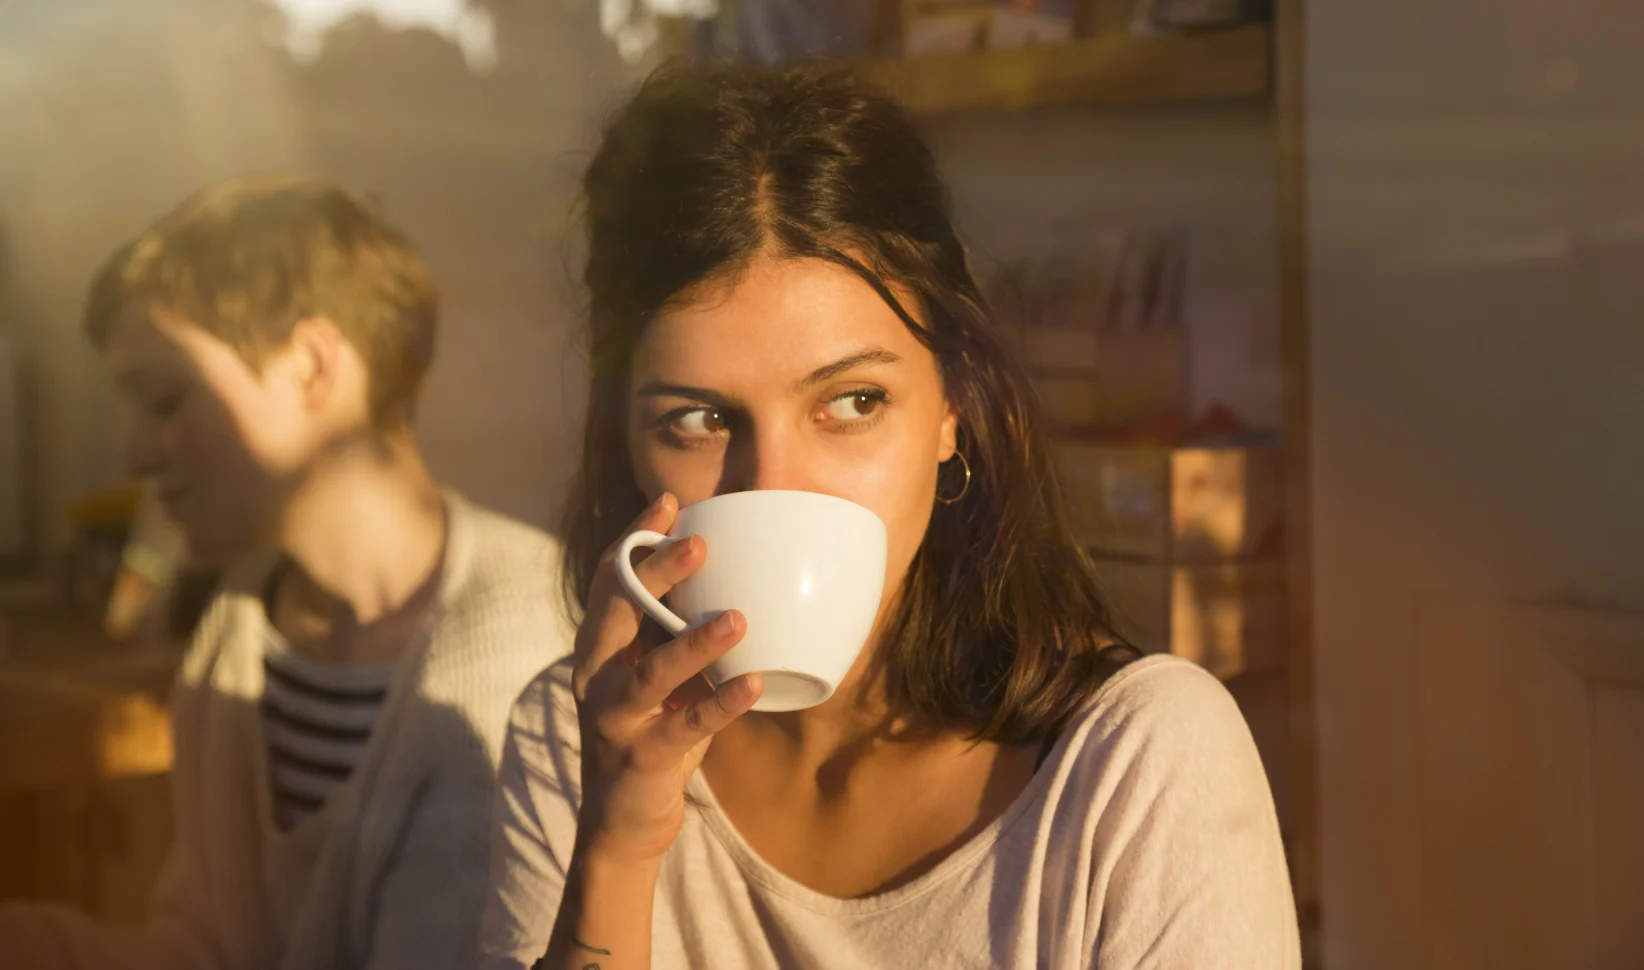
x: 1235, y: 63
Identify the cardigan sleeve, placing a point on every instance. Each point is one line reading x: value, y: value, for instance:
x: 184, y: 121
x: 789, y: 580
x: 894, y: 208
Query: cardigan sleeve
x: 434, y: 890
x: 429, y: 900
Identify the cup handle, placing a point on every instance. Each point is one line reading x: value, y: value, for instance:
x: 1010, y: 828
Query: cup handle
x: 635, y: 589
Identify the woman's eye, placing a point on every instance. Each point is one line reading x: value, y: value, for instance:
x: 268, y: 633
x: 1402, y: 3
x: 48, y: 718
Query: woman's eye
x: 700, y: 421
x: 855, y: 405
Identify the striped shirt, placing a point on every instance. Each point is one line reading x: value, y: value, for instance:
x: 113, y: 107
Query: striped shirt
x: 317, y: 718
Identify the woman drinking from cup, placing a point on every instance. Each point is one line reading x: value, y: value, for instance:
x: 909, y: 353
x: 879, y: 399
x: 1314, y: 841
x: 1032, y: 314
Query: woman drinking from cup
x: 787, y: 343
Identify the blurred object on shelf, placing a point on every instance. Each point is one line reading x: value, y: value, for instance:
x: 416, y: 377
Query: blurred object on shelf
x: 1071, y: 288
x: 1217, y: 426
x: 1187, y: 525
x: 784, y: 31
x: 1031, y: 23
x: 637, y: 26
x: 130, y: 599
x: 916, y: 29
x: 932, y: 28
x: 155, y: 550
x: 1204, y: 497
x: 1101, y: 330
x: 1138, y: 377
x: 1047, y: 309
x: 1149, y: 285
x: 1226, y: 617
x: 1071, y: 400
x: 1153, y: 15
x: 1133, y: 279
x: 1105, y: 18
x: 1065, y: 347
x: 1144, y: 375
x: 113, y: 509
x: 1122, y: 69
x: 101, y: 525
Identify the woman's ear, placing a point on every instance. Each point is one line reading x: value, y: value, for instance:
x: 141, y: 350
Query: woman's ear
x: 949, y: 442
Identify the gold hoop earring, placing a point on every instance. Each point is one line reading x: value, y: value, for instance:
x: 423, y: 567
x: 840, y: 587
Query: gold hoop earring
x: 963, y: 489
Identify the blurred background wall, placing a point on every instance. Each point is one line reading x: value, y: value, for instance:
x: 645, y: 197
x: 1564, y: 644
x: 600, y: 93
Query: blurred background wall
x: 116, y: 110
x: 1476, y: 176
x: 113, y: 111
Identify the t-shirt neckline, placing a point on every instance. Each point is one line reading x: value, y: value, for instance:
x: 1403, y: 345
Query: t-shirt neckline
x: 767, y: 877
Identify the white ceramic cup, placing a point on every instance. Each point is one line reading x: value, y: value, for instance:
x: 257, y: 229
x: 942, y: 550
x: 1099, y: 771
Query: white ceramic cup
x: 805, y: 569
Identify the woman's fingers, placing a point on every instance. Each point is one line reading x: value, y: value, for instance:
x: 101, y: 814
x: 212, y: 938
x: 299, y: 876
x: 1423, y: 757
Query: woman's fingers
x: 613, y: 620
x: 659, y: 673
x: 666, y: 568
x: 689, y: 693
x: 606, y: 600
x: 680, y: 731
x: 659, y: 573
x: 628, y: 700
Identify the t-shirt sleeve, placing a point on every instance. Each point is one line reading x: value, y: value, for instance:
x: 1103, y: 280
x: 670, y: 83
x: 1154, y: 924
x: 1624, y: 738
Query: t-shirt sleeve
x: 1189, y: 863
x: 534, y: 823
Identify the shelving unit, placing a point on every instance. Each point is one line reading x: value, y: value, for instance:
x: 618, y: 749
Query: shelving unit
x: 1208, y: 65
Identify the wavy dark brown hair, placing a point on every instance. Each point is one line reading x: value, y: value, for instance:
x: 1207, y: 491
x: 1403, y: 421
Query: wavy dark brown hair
x: 1001, y: 629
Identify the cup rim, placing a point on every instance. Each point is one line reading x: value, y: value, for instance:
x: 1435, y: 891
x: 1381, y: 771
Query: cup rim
x: 747, y: 493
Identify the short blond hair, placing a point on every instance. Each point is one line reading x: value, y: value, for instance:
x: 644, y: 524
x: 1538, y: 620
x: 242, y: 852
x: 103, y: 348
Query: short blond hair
x: 248, y: 258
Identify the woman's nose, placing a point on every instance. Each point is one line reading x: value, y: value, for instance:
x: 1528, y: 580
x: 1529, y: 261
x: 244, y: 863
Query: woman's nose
x: 766, y: 462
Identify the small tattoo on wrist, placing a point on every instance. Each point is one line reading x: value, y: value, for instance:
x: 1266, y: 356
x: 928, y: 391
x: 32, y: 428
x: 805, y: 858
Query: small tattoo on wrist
x: 591, y: 949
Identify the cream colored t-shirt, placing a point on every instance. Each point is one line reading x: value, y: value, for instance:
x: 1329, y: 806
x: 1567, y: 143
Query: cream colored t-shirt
x: 1147, y: 839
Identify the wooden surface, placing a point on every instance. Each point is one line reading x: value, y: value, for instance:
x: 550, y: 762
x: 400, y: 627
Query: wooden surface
x: 85, y: 745
x: 76, y: 707
x: 1531, y: 785
x: 1100, y: 70
x: 1227, y: 617
x: 58, y: 729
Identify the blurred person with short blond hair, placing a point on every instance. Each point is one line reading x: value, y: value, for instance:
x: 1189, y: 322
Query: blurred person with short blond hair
x: 340, y: 713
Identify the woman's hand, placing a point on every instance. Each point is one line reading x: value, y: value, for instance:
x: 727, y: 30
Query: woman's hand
x: 647, y: 716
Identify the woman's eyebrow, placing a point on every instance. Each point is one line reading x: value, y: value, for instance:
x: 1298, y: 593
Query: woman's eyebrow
x: 701, y: 395
x: 873, y: 355
x: 713, y: 398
